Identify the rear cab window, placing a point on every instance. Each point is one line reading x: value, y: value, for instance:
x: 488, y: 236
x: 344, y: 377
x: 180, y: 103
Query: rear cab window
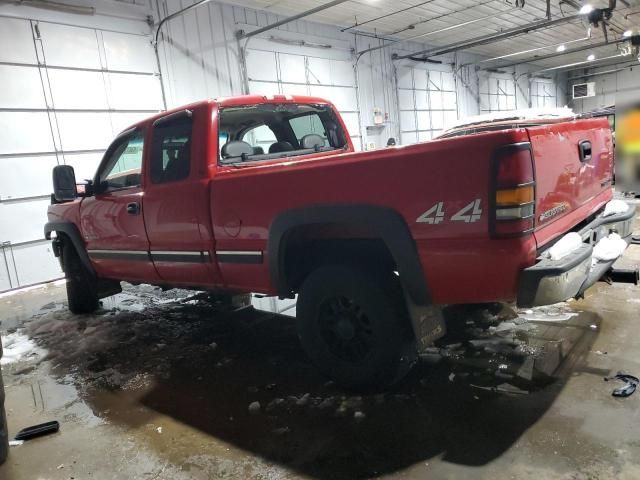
x: 171, y: 148
x: 269, y: 131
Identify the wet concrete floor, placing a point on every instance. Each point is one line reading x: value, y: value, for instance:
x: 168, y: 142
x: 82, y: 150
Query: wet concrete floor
x: 163, y: 385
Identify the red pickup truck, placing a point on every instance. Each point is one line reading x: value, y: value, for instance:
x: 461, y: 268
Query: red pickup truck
x: 266, y: 194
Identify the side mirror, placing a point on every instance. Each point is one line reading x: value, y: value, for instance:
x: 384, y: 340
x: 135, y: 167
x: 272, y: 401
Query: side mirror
x: 64, y: 183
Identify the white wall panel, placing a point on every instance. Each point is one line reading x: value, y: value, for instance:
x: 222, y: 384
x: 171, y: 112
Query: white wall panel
x: 21, y: 87
x: 16, y: 41
x: 294, y: 89
x: 134, y: 92
x: 292, y: 68
x: 261, y: 65
x: 25, y: 132
x: 121, y: 121
x: 78, y: 90
x: 264, y: 88
x: 343, y: 98
x: 69, y: 46
x: 128, y: 52
x: 319, y: 71
x: 84, y: 164
x: 36, y: 263
x: 84, y: 131
x: 26, y: 217
x: 26, y: 176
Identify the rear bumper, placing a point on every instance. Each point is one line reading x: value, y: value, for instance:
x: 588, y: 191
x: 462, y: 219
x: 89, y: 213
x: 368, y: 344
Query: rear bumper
x: 553, y: 281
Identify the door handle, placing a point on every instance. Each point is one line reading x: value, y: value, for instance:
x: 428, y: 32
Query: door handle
x: 584, y: 148
x: 133, y: 208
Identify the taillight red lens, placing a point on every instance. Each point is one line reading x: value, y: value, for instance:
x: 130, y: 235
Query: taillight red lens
x: 513, y: 211
x: 514, y: 168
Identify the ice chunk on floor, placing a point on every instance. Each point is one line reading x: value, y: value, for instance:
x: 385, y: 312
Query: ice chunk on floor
x: 614, y: 207
x: 563, y: 247
x: 609, y: 248
x: 17, y: 346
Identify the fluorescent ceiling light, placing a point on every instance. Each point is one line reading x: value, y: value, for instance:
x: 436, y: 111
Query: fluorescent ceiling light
x: 561, y: 48
x: 591, y: 57
x: 627, y: 34
x: 586, y: 9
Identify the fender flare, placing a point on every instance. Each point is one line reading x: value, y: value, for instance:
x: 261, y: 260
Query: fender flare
x: 72, y: 232
x: 384, y: 223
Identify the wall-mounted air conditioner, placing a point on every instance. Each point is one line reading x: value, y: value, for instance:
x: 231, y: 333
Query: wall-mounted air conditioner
x: 584, y: 90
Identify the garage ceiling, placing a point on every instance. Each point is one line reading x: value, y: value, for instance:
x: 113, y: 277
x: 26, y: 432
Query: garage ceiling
x: 438, y: 14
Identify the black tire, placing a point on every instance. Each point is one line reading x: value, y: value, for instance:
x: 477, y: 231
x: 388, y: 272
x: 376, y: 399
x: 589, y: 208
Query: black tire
x: 82, y: 292
x: 354, y: 327
x: 4, y: 429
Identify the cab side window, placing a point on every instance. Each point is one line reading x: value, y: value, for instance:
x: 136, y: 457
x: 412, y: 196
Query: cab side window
x: 171, y: 149
x: 124, y: 165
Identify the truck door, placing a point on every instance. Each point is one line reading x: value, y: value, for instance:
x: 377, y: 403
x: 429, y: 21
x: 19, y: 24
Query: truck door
x: 176, y: 200
x: 112, y: 219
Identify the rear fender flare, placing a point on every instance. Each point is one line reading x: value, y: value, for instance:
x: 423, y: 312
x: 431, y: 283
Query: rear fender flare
x: 384, y: 223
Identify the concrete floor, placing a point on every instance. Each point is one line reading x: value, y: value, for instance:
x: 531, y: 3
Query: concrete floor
x: 156, y: 386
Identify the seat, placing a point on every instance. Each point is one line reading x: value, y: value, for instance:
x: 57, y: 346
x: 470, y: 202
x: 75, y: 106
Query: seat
x: 235, y: 149
x: 178, y: 167
x: 312, y: 141
x: 258, y: 151
x: 280, y: 147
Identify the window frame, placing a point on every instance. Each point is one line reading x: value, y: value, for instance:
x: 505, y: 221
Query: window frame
x: 117, y: 142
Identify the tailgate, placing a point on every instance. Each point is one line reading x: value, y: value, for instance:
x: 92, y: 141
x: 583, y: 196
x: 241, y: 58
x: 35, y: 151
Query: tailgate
x: 573, y: 168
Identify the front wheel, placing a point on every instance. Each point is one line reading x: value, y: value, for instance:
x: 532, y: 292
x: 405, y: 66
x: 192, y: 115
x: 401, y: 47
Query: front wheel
x: 353, y: 325
x: 82, y: 288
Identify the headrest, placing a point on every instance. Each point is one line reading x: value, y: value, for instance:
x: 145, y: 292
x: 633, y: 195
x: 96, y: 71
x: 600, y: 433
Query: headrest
x: 280, y: 147
x: 237, y: 148
x: 312, y: 141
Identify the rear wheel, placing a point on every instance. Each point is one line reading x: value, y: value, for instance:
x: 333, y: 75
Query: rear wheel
x: 82, y: 289
x: 353, y: 325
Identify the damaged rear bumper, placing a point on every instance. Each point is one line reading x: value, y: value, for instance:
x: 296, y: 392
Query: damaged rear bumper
x: 552, y: 281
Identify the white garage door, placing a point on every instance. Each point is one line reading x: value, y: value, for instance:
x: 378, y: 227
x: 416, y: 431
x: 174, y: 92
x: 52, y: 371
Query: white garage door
x: 497, y: 93
x: 543, y: 93
x: 273, y: 73
x: 428, y: 103
x: 66, y: 92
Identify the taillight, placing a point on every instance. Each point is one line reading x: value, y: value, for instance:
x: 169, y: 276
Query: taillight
x: 513, y: 191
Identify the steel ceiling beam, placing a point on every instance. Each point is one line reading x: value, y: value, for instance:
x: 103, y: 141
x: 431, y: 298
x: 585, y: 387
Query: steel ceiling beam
x: 242, y: 35
x: 585, y: 64
x: 556, y: 54
x: 492, y: 38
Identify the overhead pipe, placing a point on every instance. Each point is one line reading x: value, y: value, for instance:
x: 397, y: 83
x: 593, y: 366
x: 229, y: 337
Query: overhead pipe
x: 434, y: 32
x: 387, y: 15
x: 606, y: 72
x: 242, y: 35
x: 491, y: 38
x: 537, y: 49
x: 559, y: 54
x: 576, y: 64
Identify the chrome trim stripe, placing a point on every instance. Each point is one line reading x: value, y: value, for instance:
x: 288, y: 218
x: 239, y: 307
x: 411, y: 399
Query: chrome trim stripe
x: 239, y: 252
x: 239, y: 256
x: 123, y: 252
x: 176, y: 252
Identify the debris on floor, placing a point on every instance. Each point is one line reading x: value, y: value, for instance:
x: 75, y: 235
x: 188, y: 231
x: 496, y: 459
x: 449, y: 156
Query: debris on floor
x: 38, y: 430
x: 629, y: 386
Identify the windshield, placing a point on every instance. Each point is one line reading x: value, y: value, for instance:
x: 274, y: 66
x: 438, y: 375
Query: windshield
x: 267, y: 131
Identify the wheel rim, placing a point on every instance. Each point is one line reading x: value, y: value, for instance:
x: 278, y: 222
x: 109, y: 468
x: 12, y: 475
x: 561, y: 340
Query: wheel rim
x: 345, y: 329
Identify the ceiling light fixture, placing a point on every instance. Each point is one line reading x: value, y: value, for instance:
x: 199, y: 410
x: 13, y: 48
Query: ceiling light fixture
x: 561, y: 48
x: 591, y: 57
x: 627, y: 34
